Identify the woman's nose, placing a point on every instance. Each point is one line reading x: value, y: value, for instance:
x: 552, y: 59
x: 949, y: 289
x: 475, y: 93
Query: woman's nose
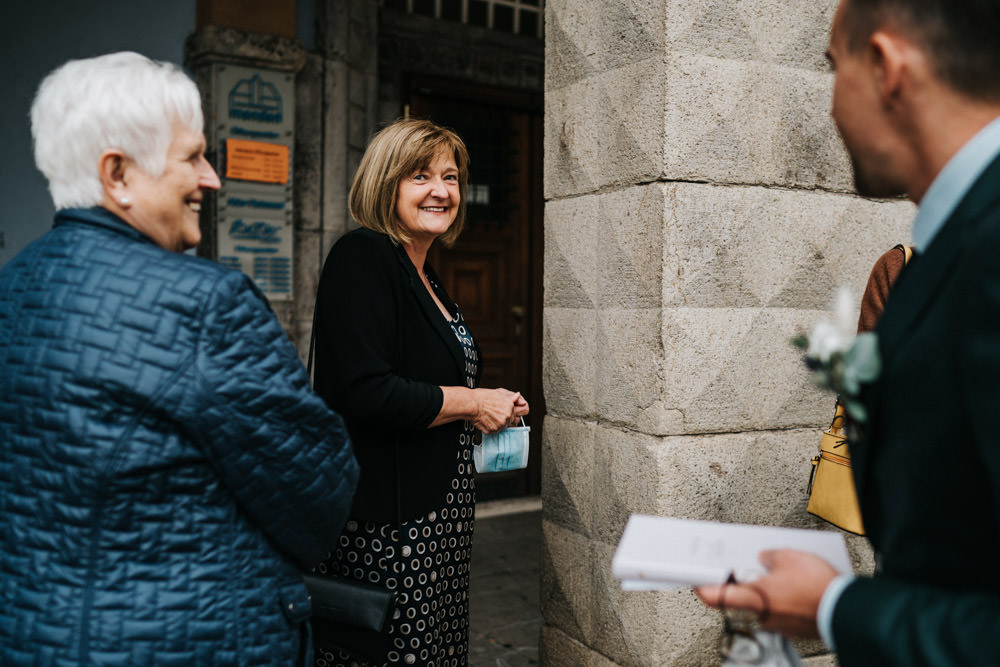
x: 439, y: 188
x: 207, y: 178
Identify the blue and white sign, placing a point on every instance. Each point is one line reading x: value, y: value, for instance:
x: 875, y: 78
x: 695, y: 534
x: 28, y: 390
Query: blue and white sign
x: 255, y: 232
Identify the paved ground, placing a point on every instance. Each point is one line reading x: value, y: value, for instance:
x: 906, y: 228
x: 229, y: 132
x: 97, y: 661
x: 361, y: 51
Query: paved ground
x: 504, y: 618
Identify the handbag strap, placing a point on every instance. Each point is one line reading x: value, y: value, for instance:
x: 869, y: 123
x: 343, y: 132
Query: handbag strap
x: 837, y: 425
x: 839, y: 415
x: 312, y: 343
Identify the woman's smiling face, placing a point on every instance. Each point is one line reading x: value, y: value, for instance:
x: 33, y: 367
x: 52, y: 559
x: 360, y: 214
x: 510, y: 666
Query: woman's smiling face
x: 427, y: 200
x: 166, y: 207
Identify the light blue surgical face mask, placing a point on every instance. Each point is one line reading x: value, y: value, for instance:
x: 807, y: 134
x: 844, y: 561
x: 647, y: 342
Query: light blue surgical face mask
x: 504, y: 450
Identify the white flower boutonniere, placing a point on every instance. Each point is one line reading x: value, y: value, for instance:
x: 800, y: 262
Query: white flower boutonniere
x: 840, y: 360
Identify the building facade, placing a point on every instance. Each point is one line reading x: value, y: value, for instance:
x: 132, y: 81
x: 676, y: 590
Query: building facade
x: 659, y: 201
x: 646, y: 248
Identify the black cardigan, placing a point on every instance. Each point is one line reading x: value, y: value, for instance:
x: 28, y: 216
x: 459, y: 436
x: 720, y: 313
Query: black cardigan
x: 383, y: 350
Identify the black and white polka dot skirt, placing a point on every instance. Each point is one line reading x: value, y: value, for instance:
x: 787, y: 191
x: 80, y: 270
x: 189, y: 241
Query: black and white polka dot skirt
x: 426, y: 561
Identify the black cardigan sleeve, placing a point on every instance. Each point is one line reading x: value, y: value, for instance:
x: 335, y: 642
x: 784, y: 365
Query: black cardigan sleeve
x: 358, y: 334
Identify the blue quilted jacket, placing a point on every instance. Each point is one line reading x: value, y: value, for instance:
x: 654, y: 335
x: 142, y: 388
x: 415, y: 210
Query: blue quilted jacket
x: 165, y: 470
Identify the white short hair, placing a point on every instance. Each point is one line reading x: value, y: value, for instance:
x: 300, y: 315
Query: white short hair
x: 120, y: 100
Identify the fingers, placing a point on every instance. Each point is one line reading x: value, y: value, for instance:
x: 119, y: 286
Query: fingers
x: 733, y: 596
x: 710, y: 595
x: 499, y: 408
x: 791, y: 562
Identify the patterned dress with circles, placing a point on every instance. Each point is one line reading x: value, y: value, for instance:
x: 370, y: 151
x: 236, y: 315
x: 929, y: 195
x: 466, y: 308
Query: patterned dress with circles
x: 425, y: 560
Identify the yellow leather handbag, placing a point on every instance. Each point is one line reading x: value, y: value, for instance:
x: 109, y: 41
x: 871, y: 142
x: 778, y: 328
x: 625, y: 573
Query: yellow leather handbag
x: 832, y: 496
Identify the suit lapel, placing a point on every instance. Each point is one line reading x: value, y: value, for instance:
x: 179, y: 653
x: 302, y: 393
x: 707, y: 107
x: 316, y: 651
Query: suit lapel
x: 431, y: 312
x: 917, y: 287
x: 916, y: 290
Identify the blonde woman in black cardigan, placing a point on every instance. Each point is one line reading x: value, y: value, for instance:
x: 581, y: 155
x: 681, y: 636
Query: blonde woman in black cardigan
x: 395, y: 358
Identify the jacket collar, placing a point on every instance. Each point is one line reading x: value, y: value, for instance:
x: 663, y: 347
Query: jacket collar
x: 98, y: 216
x: 918, y: 284
x: 429, y: 309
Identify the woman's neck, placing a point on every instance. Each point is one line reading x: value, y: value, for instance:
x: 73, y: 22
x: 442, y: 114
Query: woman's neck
x: 418, y: 255
x: 417, y: 252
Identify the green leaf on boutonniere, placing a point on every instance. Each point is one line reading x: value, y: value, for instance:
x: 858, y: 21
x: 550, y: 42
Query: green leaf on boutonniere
x: 855, y: 409
x: 863, y: 358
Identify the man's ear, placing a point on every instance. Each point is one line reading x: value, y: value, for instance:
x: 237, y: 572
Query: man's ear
x: 887, y: 58
x: 112, y: 166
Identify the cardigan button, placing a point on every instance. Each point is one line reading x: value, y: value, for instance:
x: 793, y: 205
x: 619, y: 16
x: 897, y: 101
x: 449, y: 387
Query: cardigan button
x: 291, y: 607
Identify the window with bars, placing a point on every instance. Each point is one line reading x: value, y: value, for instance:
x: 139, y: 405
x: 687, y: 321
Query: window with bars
x: 519, y: 17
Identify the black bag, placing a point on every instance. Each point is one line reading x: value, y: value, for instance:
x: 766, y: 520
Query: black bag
x: 351, y: 614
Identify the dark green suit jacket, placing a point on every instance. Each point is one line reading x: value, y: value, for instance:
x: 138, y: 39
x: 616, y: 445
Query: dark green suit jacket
x: 927, y: 465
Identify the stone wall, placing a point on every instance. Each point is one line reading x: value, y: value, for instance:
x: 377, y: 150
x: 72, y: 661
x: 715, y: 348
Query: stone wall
x: 699, y: 213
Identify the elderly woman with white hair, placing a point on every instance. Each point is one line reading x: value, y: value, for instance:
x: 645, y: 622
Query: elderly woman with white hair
x: 165, y: 470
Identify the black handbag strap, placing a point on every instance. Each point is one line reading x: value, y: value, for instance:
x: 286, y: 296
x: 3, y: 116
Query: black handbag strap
x: 312, y: 344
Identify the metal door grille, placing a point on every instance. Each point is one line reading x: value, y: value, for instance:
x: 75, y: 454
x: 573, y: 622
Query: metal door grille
x: 519, y: 17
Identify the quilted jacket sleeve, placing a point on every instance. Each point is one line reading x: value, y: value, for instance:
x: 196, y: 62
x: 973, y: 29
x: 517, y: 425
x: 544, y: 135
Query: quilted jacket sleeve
x: 283, y: 454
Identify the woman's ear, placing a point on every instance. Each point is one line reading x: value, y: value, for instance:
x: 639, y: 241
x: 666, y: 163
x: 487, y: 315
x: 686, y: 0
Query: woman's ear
x: 111, y: 166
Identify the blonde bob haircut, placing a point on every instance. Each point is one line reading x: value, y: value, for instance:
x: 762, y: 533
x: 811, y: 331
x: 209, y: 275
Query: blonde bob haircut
x: 397, y: 152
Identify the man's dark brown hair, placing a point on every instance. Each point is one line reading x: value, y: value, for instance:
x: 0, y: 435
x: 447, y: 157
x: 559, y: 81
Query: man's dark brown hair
x: 960, y: 37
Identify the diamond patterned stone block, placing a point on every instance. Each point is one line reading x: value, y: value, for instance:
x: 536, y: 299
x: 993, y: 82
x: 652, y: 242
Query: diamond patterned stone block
x: 583, y: 39
x: 693, y: 118
x: 740, y: 271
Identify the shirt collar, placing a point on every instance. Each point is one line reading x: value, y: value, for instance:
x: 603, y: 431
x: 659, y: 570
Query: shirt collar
x: 953, y: 182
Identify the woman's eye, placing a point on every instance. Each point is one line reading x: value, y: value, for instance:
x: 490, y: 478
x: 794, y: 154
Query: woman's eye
x: 419, y: 177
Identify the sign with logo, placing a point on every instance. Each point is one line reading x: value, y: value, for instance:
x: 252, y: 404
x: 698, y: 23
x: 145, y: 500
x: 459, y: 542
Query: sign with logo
x: 255, y: 113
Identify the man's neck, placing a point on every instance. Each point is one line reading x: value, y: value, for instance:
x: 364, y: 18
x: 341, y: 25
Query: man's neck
x: 945, y: 125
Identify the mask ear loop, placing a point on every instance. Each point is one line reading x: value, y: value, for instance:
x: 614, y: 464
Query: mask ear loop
x: 734, y: 626
x: 765, y: 611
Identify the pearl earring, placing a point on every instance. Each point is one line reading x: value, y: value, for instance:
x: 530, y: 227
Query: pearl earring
x: 124, y: 201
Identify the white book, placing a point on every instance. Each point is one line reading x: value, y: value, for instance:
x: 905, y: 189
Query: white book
x: 661, y: 552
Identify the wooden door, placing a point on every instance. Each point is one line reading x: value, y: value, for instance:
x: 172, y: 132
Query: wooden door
x: 494, y: 269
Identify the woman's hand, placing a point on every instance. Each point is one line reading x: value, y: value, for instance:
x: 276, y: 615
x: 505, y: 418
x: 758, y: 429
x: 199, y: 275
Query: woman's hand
x: 497, y: 409
x: 488, y: 409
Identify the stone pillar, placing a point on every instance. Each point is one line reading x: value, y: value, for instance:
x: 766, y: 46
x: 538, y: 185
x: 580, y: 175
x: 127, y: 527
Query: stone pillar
x: 349, y: 44
x: 699, y: 212
x: 336, y: 102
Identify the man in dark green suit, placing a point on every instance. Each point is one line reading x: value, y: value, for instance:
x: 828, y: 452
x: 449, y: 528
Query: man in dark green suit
x: 917, y: 99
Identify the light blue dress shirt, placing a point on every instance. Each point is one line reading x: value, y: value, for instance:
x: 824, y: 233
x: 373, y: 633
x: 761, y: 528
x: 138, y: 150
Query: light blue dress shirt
x: 954, y: 182
x: 940, y: 200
